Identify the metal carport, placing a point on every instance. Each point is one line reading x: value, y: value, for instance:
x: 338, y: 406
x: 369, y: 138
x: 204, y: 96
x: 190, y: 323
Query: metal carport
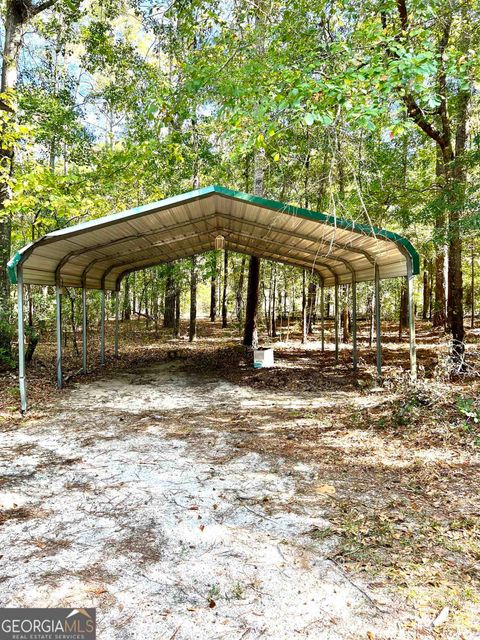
x: 98, y: 254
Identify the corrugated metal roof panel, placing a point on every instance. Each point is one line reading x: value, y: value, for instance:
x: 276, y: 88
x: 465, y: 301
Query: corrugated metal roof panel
x: 101, y: 251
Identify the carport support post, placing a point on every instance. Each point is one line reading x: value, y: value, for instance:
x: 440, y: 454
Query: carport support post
x: 116, y: 326
x: 354, y: 321
x: 337, y: 319
x: 84, y: 329
x: 58, y: 318
x: 322, y: 314
x: 21, y: 342
x: 102, y: 327
x: 411, y: 320
x: 377, y: 322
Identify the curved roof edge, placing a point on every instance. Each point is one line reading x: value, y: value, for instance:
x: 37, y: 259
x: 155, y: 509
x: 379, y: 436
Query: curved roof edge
x: 403, y: 243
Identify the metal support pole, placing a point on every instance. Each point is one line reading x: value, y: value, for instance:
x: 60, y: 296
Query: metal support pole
x: 84, y: 329
x: 377, y: 322
x: 21, y: 342
x: 116, y: 324
x: 354, y: 322
x: 58, y: 309
x: 102, y: 327
x: 411, y: 320
x: 337, y: 320
x: 322, y: 314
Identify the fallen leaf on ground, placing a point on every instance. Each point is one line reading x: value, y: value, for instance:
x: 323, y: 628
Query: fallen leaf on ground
x: 327, y: 489
x: 442, y: 617
x: 97, y: 590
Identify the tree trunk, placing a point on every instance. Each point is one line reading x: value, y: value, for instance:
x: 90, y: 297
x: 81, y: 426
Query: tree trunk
x: 273, y: 294
x: 370, y: 315
x: 239, y: 294
x: 134, y: 293
x: 426, y: 290
x: 457, y: 198
x: 176, y: 329
x: 72, y: 321
x: 127, y: 310
x: 312, y: 294
x: 192, y: 332
x: 452, y: 151
x: 346, y: 333
x: 472, y: 287
x: 403, y: 315
x: 250, y: 336
x: 169, y: 309
x: 224, y: 294
x: 213, y: 289
x: 17, y: 13
x: 304, y: 307
x: 266, y: 308
x: 14, y: 20
x: 439, y: 316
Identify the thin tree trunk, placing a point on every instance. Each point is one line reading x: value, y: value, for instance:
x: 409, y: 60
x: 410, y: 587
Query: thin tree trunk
x: 403, y: 315
x: 134, y: 293
x: 176, y: 330
x: 225, y: 283
x: 304, y: 307
x: 430, y: 314
x: 192, y: 333
x: 127, y: 310
x: 346, y: 333
x: 472, y: 286
x: 72, y: 321
x: 328, y: 302
x: 439, y: 317
x: 370, y: 318
x: 426, y: 290
x: 169, y: 309
x: 213, y: 289
x: 273, y: 293
x: 239, y: 294
x: 266, y: 306
x: 312, y: 294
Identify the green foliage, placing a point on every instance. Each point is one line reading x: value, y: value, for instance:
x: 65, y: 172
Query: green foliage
x: 6, y: 356
x: 470, y: 410
x: 125, y: 102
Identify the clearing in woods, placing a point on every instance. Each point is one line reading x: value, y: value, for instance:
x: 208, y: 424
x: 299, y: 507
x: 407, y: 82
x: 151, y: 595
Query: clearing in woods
x: 188, y: 496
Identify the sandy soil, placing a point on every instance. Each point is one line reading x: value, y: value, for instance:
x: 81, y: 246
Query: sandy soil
x: 135, y: 495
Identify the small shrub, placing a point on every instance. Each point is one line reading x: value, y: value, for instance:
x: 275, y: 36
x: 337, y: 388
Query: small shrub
x: 470, y: 411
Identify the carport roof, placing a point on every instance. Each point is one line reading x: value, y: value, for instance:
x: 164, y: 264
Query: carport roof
x: 99, y: 253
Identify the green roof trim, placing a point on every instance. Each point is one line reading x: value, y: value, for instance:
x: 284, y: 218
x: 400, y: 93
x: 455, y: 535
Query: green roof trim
x: 404, y: 245
x: 13, y: 262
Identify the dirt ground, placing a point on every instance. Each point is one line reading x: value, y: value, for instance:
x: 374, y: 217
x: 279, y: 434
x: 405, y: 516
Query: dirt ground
x: 186, y: 495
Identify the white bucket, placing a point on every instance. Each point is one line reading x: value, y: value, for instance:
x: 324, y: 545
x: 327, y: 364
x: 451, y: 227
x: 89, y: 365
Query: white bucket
x: 262, y: 358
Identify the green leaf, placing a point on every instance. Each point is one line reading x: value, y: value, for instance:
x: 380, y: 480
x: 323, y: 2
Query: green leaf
x: 309, y: 119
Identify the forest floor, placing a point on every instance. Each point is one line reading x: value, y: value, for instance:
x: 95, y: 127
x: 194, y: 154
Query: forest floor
x: 186, y: 495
